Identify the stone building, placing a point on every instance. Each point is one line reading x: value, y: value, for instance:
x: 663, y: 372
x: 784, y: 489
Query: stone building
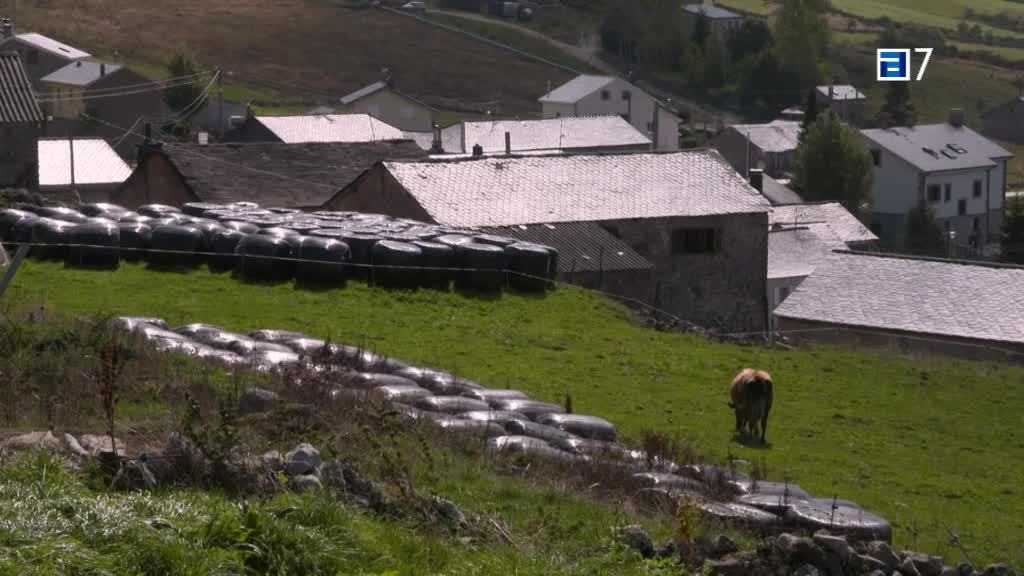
x: 701, y: 226
x: 21, y: 122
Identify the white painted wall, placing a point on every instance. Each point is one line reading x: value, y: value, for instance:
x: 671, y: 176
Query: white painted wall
x: 894, y: 190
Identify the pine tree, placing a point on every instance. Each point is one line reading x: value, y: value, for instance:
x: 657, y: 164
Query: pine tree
x: 184, y: 98
x: 810, y: 112
x: 898, y: 110
x: 832, y: 163
x: 924, y: 235
x: 1013, y: 232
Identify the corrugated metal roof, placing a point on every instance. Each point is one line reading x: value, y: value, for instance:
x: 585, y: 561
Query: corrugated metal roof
x: 577, y: 89
x: 843, y: 224
x: 500, y: 191
x: 941, y: 298
x: 81, y: 73
x: 95, y: 163
x: 711, y: 11
x: 775, y: 136
x: 52, y: 46
x: 18, y: 102
x: 330, y: 128
x: 910, y: 144
x: 582, y: 246
x: 842, y: 92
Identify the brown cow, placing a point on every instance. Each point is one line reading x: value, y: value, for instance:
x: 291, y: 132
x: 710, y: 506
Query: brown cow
x: 751, y: 393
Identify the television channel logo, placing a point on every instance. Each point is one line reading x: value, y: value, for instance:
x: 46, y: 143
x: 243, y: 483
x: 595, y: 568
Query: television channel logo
x: 893, y: 64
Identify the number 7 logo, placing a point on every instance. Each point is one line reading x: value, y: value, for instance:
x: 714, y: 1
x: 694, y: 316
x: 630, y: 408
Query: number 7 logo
x: 924, y: 64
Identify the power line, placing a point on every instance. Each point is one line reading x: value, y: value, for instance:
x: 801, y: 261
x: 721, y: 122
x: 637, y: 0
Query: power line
x: 117, y: 94
x: 142, y: 84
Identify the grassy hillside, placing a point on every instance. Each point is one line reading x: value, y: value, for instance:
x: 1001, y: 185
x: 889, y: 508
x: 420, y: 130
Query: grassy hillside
x: 928, y: 444
x: 317, y: 49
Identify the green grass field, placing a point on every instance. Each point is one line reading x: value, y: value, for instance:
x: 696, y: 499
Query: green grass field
x: 928, y: 444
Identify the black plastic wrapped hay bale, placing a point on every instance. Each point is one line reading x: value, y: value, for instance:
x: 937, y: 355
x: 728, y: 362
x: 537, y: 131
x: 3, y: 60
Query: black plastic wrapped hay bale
x: 361, y: 246
x: 199, y: 208
x: 494, y: 240
x: 453, y: 240
x: 175, y: 246
x: 223, y: 244
x: 392, y: 263
x: 265, y: 257
x: 101, y: 208
x: 157, y: 210
x: 209, y: 228
x: 528, y: 266
x: 243, y: 227
x: 55, y: 234
x: 439, y: 261
x: 61, y: 213
x: 8, y: 218
x: 135, y: 238
x: 95, y: 245
x: 21, y: 230
x: 321, y: 261
x: 483, y: 267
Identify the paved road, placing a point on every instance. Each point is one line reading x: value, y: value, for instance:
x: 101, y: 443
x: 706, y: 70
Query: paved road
x: 589, y: 54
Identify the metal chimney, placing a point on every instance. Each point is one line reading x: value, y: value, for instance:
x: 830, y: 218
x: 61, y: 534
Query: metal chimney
x: 103, y: 69
x: 757, y: 179
x: 956, y: 117
x: 437, y: 147
x: 508, y: 143
x: 478, y: 150
x: 6, y: 28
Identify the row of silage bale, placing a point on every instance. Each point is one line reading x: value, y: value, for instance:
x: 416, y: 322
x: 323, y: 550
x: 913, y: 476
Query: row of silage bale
x: 512, y: 422
x: 276, y: 244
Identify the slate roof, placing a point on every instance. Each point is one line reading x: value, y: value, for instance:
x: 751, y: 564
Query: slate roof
x: 500, y: 191
x: 95, y: 163
x: 775, y: 136
x: 577, y: 89
x: 842, y: 92
x: 778, y: 193
x: 373, y: 89
x: 330, y: 128
x: 711, y: 11
x: 80, y: 73
x: 582, y: 246
x: 795, y: 252
x: 50, y: 45
x: 839, y: 220
x: 910, y: 143
x: 18, y: 102
x: 942, y: 298
x: 551, y: 134
x: 277, y: 174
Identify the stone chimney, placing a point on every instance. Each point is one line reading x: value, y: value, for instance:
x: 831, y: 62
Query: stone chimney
x: 757, y: 179
x: 478, y: 150
x: 956, y: 117
x: 103, y: 69
x: 6, y: 28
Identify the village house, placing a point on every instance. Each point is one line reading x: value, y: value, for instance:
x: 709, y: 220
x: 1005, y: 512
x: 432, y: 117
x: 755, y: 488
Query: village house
x: 21, y: 121
x: 300, y: 176
x: 1006, y: 121
x: 701, y: 226
x: 95, y: 99
x: 961, y: 175
x: 39, y: 54
x: 910, y: 306
x: 844, y: 100
x: 339, y: 128
x: 98, y: 170
x: 382, y: 101
x: 770, y: 147
x: 585, y: 134
x: 777, y: 192
x: 588, y: 95
x: 588, y: 256
x: 801, y: 236
x: 715, y: 19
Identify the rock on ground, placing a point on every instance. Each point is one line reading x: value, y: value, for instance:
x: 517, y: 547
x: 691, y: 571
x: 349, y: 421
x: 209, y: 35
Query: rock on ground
x: 302, y: 460
x: 305, y: 483
x: 882, y: 552
x: 34, y: 441
x: 636, y: 538
x: 256, y: 400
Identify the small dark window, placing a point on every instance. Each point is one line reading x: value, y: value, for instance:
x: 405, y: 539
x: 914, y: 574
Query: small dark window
x: 977, y: 188
x: 876, y: 157
x: 961, y: 206
x: 693, y: 241
x: 934, y: 193
x: 606, y: 95
x: 949, y: 192
x: 626, y: 95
